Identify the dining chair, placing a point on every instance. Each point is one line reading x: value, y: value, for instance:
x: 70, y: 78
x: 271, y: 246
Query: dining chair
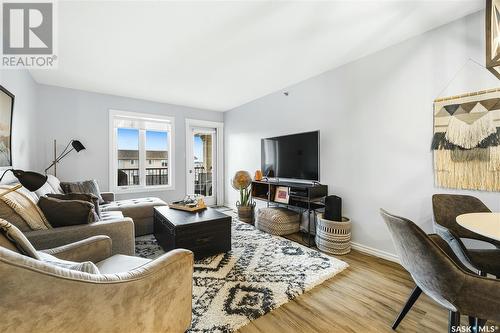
x: 446, y: 208
x: 438, y: 273
x: 457, y: 256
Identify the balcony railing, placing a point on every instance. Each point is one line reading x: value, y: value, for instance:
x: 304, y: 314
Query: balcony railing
x: 154, y: 176
x: 202, y: 181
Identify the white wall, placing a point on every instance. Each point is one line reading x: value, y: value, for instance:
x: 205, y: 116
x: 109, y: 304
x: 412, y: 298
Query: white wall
x: 375, y: 118
x: 74, y: 114
x: 24, y: 124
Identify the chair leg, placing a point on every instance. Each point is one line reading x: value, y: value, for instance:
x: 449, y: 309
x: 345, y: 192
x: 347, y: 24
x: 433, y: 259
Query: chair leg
x: 480, y: 324
x: 473, y: 324
x: 409, y: 303
x: 454, y: 321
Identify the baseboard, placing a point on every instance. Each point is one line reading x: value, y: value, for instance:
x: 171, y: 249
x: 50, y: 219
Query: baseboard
x: 358, y: 247
x: 375, y: 252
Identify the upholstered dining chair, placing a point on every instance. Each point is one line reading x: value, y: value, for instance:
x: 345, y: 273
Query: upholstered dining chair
x: 446, y: 208
x: 42, y: 291
x: 440, y: 275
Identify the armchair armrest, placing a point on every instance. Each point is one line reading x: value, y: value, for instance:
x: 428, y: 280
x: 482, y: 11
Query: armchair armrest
x: 93, y: 249
x: 108, y: 196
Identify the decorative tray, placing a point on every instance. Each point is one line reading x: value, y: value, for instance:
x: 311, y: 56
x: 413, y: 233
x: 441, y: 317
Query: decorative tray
x: 189, y: 205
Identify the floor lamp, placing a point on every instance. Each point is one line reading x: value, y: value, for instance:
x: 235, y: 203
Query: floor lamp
x: 75, y: 145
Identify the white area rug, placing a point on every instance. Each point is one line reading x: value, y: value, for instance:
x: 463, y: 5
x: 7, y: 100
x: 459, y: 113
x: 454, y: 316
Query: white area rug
x: 259, y: 274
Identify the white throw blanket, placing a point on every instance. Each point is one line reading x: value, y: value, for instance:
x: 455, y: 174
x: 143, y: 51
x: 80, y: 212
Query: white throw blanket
x: 26, y: 208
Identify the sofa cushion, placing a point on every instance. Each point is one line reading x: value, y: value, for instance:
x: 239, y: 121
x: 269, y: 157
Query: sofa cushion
x: 86, y: 266
x: 111, y: 215
x: 88, y: 186
x: 31, y: 195
x: 55, y: 183
x: 63, y: 213
x: 79, y: 196
x: 134, y: 208
x: 14, y: 240
x: 120, y: 263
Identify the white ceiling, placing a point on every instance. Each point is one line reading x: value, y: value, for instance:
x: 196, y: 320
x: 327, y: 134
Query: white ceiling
x: 219, y: 55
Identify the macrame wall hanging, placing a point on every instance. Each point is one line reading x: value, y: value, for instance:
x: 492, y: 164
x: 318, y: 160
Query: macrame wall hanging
x: 466, y: 142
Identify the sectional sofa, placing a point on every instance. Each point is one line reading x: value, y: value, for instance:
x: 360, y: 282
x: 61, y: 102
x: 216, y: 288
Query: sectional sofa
x: 121, y: 220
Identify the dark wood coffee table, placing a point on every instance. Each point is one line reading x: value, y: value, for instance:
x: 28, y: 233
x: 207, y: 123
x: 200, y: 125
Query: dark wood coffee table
x: 206, y: 233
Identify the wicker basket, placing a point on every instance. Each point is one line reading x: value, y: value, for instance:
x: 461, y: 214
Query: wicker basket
x: 278, y: 221
x: 333, y: 237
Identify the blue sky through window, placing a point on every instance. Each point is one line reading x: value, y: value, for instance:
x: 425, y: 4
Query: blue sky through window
x: 198, y: 149
x: 156, y: 140
x: 128, y: 139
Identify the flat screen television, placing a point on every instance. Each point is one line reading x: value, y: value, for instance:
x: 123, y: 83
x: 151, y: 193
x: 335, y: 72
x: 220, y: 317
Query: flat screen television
x: 294, y: 156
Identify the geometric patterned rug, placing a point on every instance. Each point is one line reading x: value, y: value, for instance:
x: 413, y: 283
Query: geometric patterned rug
x: 259, y: 274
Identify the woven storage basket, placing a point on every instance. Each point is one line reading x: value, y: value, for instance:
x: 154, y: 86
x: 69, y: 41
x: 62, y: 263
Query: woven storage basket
x: 333, y: 237
x: 278, y: 221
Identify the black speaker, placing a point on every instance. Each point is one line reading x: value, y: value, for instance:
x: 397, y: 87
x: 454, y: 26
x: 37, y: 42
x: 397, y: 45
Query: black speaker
x: 333, y: 208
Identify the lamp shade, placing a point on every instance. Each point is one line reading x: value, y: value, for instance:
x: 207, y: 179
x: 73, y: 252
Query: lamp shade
x: 29, y: 179
x: 77, y: 145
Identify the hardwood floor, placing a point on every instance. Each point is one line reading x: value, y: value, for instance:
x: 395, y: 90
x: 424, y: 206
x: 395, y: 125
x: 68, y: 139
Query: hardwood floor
x: 366, y: 297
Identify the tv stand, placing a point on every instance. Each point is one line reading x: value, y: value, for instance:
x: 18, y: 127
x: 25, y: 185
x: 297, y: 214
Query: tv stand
x: 305, y: 196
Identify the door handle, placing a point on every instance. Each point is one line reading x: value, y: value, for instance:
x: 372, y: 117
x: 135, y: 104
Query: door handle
x: 190, y: 171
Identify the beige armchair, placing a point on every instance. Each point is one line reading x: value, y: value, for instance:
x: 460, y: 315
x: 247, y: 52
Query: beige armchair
x: 131, y: 294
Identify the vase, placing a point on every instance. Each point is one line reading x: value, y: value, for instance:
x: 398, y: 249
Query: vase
x: 246, y: 213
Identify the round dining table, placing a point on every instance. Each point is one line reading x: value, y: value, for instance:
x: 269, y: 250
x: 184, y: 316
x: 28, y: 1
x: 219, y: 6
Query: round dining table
x: 485, y: 224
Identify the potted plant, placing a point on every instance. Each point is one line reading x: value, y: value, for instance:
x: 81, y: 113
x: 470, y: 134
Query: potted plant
x: 242, y: 182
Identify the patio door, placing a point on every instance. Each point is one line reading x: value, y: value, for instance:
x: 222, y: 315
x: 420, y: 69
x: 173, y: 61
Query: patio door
x: 201, y: 160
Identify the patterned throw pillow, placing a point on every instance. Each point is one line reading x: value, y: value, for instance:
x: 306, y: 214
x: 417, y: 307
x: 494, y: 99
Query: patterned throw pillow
x: 88, y: 186
x: 79, y: 196
x: 17, y: 238
x: 86, y: 266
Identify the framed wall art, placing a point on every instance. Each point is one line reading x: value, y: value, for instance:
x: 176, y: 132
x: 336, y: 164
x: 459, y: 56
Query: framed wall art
x: 6, y: 111
x: 282, y: 195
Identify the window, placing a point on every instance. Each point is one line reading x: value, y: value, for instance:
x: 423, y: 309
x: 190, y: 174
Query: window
x: 141, y: 151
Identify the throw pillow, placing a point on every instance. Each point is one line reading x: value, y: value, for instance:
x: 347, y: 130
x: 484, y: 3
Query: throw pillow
x: 88, y: 186
x: 79, y: 196
x: 86, y: 266
x: 17, y: 239
x: 63, y: 213
x: 25, y: 207
x: 9, y: 214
